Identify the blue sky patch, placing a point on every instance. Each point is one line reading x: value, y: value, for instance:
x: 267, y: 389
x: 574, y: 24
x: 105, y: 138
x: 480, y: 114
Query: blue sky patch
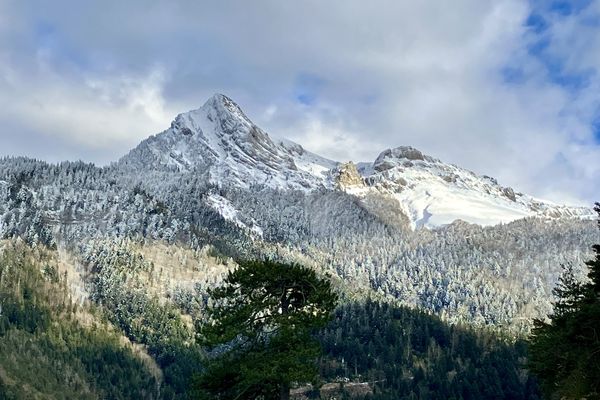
x: 512, y: 75
x: 45, y: 34
x: 562, y: 8
x: 568, y: 7
x: 307, y: 88
x: 537, y: 23
x: 596, y: 130
x: 48, y: 37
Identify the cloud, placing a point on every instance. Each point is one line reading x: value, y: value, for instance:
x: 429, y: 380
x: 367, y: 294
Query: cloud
x: 505, y: 88
x: 96, y: 114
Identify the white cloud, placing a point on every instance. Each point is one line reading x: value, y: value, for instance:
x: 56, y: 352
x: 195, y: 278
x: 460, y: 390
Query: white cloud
x: 425, y: 73
x: 96, y: 113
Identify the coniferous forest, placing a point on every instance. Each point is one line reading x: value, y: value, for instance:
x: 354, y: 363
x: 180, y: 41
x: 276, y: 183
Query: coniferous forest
x: 407, y: 354
x: 105, y: 285
x: 54, y: 348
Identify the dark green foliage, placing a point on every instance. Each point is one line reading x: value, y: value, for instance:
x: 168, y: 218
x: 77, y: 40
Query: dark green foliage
x: 565, y: 352
x: 263, y: 370
x: 408, y: 354
x: 264, y: 319
x: 143, y: 318
x: 45, y: 352
x: 593, y: 286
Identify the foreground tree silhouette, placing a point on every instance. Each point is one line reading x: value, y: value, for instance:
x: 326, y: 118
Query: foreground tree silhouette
x: 261, y: 329
x: 565, y: 352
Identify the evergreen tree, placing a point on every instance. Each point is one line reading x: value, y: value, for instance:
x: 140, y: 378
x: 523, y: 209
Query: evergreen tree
x: 263, y: 321
x: 565, y: 352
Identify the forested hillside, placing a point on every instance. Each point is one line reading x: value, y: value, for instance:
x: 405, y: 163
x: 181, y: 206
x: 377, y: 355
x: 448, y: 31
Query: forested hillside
x: 54, y: 347
x: 407, y: 354
x: 110, y: 268
x: 499, y: 275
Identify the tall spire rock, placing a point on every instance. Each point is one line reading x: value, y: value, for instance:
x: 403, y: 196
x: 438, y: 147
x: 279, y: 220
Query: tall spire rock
x: 347, y: 176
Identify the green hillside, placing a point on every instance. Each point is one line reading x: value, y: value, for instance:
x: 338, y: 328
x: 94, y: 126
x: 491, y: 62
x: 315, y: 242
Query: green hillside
x: 53, y: 348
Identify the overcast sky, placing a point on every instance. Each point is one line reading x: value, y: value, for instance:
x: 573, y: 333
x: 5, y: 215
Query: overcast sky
x: 509, y: 89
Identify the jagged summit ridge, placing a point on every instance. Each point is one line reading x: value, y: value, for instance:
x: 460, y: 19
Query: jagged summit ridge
x: 432, y: 193
x: 219, y: 140
x: 390, y: 158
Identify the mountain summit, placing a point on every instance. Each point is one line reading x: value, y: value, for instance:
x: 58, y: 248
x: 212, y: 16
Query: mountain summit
x: 218, y: 139
x: 432, y: 193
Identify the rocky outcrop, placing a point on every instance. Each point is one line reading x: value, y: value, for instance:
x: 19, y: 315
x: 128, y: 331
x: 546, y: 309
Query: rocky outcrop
x: 402, y: 155
x: 346, y: 175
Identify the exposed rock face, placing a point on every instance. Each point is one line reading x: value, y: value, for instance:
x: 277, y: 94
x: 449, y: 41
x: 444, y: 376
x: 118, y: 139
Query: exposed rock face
x: 450, y: 178
x: 400, y: 155
x: 220, y: 139
x: 347, y: 176
x: 509, y: 193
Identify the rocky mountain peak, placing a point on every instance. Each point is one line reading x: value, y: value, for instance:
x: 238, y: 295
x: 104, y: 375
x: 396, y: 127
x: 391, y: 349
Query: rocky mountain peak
x: 399, y: 156
x: 221, y: 108
x: 220, y: 140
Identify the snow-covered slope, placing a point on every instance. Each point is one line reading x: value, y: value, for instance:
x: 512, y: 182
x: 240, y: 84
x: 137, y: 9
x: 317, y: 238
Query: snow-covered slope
x: 432, y: 193
x: 219, y: 140
x: 224, y: 207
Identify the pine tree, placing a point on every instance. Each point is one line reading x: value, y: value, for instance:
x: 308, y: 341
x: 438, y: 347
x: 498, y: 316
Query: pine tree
x: 264, y: 316
x: 594, y: 265
x: 569, y: 292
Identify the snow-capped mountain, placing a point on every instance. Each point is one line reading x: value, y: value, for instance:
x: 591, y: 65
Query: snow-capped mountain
x: 432, y: 193
x: 216, y: 182
x: 220, y: 140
